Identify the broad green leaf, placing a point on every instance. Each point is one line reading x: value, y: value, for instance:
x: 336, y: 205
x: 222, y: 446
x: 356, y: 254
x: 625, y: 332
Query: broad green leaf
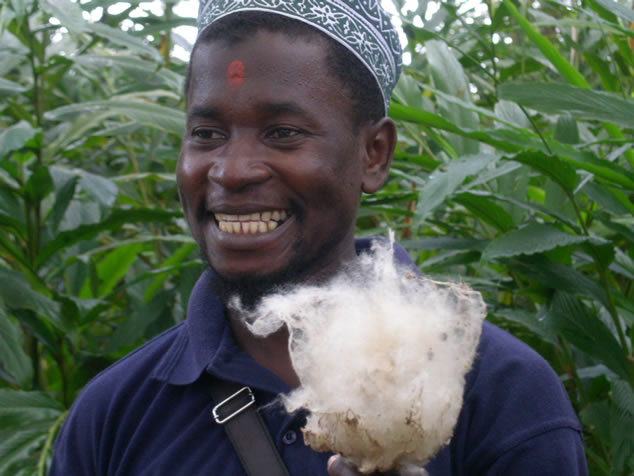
x: 29, y: 406
x: 566, y: 130
x: 442, y: 185
x: 68, y: 13
x: 17, y: 293
x: 497, y: 139
x: 548, y: 50
x: 168, y: 119
x: 63, y: 197
x: 146, y: 71
x: 134, y: 326
x: 559, y: 277
x: 8, y: 88
x: 444, y: 243
x: 450, y: 78
x: 117, y: 218
x: 580, y: 103
x: 554, y: 167
x: 13, y: 358
x: 530, y: 320
x: 176, y: 258
x: 583, y: 328
x: 619, y: 10
x: 16, y: 137
x: 613, y: 200
x: 115, y: 266
x: 101, y: 188
x: 39, y: 185
x: 486, y: 210
x: 533, y: 238
x: 118, y: 37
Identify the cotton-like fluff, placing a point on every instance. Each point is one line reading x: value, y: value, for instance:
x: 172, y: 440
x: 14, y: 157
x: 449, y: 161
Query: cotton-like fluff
x: 381, y: 355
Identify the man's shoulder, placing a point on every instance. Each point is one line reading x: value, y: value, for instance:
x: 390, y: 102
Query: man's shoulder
x: 134, y: 368
x: 506, y: 364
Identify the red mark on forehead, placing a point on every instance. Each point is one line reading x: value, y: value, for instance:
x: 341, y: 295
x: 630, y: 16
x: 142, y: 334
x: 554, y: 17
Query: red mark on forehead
x: 235, y: 74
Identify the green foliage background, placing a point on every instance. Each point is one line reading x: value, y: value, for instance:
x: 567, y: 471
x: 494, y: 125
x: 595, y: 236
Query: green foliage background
x: 513, y: 173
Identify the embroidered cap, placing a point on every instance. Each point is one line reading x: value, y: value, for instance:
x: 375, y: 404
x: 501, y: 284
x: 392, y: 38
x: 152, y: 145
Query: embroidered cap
x: 362, y: 26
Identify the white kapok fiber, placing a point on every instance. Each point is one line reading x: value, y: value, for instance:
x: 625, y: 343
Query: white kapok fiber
x: 381, y: 355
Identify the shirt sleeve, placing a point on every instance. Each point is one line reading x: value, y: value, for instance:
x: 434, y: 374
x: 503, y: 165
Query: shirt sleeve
x: 557, y: 452
x: 76, y: 446
x: 517, y: 418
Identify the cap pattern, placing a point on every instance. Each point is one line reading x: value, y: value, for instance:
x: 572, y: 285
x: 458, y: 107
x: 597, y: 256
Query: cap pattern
x: 360, y: 25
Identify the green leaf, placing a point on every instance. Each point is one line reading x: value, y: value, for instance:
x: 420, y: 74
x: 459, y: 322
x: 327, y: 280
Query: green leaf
x: 166, y: 118
x: 180, y: 255
x: 444, y: 243
x: 103, y: 189
x: 16, y: 137
x: 63, y: 197
x: 486, y: 210
x: 496, y: 138
x: 442, y: 185
x: 580, y: 103
x: 17, y: 293
x: 134, y: 326
x: 118, y: 37
x: 39, y: 185
x: 143, y: 70
x: 583, y: 328
x: 558, y: 276
x: 8, y: 88
x: 13, y: 358
x: 548, y: 50
x: 566, y: 130
x: 619, y: 10
x: 27, y: 407
x: 115, y: 266
x: 450, y: 78
x: 530, y: 320
x: 68, y: 13
x: 613, y: 200
x: 552, y: 166
x: 117, y: 218
x: 533, y: 238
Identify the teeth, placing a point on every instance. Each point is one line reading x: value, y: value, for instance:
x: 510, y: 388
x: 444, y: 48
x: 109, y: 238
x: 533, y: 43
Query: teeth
x: 251, y: 223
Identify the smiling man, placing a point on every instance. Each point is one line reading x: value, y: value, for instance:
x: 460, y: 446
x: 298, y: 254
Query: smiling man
x: 286, y: 128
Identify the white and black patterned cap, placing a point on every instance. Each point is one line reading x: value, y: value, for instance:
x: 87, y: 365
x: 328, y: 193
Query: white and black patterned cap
x: 362, y: 26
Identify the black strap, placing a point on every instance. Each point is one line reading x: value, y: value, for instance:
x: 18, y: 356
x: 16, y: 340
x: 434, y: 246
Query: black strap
x: 235, y: 410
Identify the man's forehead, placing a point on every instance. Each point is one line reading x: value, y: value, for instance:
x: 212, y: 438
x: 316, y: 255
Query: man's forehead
x: 361, y: 26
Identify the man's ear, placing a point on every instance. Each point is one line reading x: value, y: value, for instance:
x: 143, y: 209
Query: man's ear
x: 380, y: 142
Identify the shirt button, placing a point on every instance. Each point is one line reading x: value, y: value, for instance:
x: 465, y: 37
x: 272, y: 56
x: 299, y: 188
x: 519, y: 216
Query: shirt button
x: 289, y: 437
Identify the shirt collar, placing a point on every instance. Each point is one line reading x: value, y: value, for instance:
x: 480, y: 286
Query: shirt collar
x: 205, y: 341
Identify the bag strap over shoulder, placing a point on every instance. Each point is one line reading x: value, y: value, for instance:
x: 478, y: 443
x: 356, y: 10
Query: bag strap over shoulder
x: 235, y: 410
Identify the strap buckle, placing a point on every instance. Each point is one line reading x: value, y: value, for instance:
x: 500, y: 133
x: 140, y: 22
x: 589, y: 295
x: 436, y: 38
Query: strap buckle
x: 215, y: 411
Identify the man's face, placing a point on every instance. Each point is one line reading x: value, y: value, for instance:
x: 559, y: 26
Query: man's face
x: 270, y: 172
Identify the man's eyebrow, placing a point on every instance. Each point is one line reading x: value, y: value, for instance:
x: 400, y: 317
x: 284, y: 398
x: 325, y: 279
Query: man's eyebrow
x: 271, y: 109
x: 204, y: 112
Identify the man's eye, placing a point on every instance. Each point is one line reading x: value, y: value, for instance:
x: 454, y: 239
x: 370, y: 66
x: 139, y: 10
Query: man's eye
x: 283, y: 133
x: 207, y: 134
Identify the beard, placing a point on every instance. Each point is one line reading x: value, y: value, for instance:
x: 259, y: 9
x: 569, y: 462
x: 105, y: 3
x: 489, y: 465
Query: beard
x: 250, y: 289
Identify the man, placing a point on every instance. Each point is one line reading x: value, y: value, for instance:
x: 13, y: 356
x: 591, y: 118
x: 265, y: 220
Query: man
x: 286, y: 129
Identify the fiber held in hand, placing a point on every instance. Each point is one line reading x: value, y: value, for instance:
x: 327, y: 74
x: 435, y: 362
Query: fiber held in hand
x: 381, y: 355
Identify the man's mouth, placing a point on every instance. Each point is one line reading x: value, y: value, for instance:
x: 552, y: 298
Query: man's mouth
x: 251, y: 223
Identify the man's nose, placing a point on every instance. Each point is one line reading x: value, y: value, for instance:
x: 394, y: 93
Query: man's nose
x: 238, y: 166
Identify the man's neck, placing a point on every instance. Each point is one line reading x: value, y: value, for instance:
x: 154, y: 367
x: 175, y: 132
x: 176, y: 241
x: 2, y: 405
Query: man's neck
x: 270, y: 352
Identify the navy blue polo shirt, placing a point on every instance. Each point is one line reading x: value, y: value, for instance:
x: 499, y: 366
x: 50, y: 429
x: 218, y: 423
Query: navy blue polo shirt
x: 150, y: 413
